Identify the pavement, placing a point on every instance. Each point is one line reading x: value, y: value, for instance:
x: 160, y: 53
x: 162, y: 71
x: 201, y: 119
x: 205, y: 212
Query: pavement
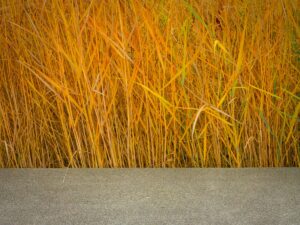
x: 150, y: 196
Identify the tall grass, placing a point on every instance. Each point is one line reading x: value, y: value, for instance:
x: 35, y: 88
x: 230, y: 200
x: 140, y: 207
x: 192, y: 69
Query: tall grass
x: 135, y: 83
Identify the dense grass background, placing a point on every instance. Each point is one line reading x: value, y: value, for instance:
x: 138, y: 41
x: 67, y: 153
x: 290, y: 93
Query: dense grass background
x: 135, y: 83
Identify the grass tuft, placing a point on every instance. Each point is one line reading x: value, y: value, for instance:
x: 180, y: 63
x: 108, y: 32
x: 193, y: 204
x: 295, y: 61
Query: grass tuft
x: 149, y: 83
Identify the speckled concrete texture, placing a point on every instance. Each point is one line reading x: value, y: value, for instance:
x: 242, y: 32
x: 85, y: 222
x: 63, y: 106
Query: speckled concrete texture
x: 150, y: 196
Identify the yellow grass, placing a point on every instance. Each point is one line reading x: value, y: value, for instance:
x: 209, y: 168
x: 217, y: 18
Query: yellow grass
x: 135, y: 83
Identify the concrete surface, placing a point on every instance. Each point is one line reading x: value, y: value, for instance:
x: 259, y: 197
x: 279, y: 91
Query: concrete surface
x: 150, y: 196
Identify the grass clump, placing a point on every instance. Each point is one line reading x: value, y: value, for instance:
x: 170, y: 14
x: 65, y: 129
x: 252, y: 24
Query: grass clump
x: 149, y: 84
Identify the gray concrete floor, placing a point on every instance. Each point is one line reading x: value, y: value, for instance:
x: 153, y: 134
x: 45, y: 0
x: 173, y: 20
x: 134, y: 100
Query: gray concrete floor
x: 149, y: 196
